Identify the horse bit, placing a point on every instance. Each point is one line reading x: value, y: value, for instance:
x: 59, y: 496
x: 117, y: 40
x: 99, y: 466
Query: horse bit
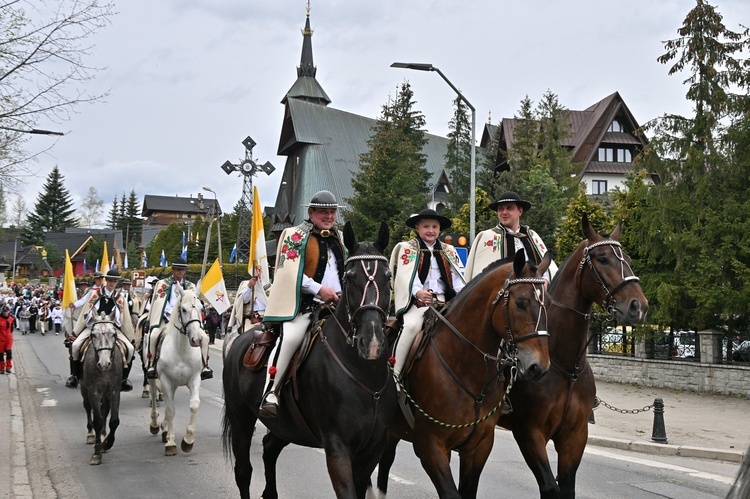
x: 183, y: 329
x: 538, y: 295
x: 609, y: 301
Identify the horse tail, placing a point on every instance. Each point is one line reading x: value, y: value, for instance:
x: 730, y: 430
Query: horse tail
x: 226, y: 433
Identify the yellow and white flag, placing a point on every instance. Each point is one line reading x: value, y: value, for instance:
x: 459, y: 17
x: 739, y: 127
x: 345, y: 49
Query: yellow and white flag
x: 257, y: 264
x: 214, y: 289
x: 105, y: 260
x: 69, y: 283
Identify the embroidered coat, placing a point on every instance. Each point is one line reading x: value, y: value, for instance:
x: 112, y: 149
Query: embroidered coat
x: 161, y: 294
x: 490, y: 246
x: 285, y: 296
x: 241, y: 310
x: 127, y: 325
x: 404, y: 267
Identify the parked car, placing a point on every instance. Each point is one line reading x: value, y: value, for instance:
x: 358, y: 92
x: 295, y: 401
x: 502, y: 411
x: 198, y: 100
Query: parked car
x: 742, y: 352
x: 682, y: 345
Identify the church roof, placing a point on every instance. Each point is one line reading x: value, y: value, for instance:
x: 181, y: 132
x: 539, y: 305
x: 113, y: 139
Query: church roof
x: 307, y: 87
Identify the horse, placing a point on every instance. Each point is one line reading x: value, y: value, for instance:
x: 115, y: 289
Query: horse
x: 489, y: 332
x: 344, y: 391
x: 558, y: 406
x: 100, y: 385
x: 179, y: 364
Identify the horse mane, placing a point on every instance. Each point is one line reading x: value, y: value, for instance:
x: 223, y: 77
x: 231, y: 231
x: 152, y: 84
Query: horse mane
x: 467, y: 290
x: 556, y: 278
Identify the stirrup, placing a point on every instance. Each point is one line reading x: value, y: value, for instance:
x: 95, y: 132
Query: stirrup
x: 151, y: 372
x: 269, y: 409
x: 72, y: 381
x: 207, y: 373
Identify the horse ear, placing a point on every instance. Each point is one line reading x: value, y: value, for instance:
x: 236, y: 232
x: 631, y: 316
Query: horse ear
x: 545, y: 263
x: 519, y: 261
x: 350, y: 240
x: 384, y: 235
x: 588, y: 232
x: 617, y: 232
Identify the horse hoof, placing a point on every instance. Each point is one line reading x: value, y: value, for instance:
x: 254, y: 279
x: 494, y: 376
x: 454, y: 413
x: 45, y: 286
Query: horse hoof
x: 170, y: 450
x: 90, y: 439
x: 161, y: 397
x: 145, y: 394
x: 154, y: 429
x: 186, y: 447
x: 108, y: 444
x: 96, y: 460
x: 164, y: 437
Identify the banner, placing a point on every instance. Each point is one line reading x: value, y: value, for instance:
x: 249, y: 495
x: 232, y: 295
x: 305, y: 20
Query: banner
x: 163, y: 259
x: 257, y: 264
x: 125, y: 263
x: 214, y: 289
x: 233, y: 254
x: 105, y: 260
x: 69, y: 283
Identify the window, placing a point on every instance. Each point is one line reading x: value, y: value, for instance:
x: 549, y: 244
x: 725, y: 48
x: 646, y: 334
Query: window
x: 624, y: 156
x: 598, y: 187
x: 615, y: 126
x: 606, y: 154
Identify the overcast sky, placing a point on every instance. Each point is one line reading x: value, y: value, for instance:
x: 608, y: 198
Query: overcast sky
x: 190, y: 79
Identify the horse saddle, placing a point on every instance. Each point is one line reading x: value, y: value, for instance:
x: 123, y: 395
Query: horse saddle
x: 256, y: 356
x: 421, y: 340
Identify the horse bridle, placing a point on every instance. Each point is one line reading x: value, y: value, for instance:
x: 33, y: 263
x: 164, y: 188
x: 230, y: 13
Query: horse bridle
x: 609, y: 301
x: 362, y: 307
x: 102, y: 349
x: 184, y: 325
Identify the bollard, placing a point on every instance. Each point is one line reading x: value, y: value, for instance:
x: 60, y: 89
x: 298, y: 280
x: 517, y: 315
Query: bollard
x: 592, y: 420
x: 659, y: 432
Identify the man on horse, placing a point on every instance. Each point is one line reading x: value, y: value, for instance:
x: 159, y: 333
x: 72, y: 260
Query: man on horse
x: 163, y: 299
x: 509, y: 236
x: 309, y: 260
x: 132, y: 299
x: 104, y: 300
x: 425, y: 272
x: 249, y: 305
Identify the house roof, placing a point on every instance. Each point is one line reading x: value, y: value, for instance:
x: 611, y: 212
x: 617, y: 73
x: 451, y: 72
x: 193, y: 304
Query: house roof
x: 176, y: 204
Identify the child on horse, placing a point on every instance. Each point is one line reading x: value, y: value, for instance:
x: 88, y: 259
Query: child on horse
x: 425, y: 271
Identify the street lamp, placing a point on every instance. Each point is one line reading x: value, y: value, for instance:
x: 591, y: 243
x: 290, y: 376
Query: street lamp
x: 33, y: 131
x: 212, y: 214
x: 472, y: 195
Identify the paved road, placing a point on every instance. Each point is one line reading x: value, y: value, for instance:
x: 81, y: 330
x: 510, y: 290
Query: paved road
x: 43, y: 428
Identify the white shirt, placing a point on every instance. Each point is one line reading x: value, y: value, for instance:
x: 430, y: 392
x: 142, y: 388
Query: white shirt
x: 93, y: 315
x: 330, y: 278
x: 433, y: 281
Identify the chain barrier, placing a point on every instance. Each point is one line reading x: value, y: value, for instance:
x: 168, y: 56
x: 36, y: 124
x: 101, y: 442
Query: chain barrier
x: 599, y: 401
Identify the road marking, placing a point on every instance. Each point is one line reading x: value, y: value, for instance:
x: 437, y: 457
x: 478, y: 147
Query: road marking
x: 656, y: 464
x: 46, y: 402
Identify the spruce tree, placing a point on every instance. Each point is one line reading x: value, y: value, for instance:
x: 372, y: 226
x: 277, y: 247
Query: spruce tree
x: 392, y: 181
x: 53, y: 211
x: 113, y: 215
x: 134, y: 224
x: 458, y: 156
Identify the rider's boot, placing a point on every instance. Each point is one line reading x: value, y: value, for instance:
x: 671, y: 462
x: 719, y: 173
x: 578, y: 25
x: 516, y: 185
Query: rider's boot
x: 207, y: 372
x: 75, y: 369
x: 126, y: 384
x: 151, y: 370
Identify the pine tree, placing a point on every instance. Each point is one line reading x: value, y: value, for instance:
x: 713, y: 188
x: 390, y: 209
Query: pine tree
x: 392, y: 181
x: 133, y: 220
x: 112, y: 217
x: 458, y: 156
x: 53, y: 211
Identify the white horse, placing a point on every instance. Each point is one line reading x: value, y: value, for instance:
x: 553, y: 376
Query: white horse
x: 179, y: 364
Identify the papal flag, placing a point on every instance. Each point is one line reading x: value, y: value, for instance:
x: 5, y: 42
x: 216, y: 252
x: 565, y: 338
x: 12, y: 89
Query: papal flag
x: 105, y: 260
x: 69, y: 284
x: 257, y: 264
x: 214, y: 289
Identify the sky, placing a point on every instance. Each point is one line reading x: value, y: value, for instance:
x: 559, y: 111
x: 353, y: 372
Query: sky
x: 188, y: 80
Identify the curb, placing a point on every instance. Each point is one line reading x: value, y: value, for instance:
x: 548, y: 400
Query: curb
x: 733, y: 456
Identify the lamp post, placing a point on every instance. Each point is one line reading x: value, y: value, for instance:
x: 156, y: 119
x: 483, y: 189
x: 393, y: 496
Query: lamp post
x: 15, y: 252
x: 212, y: 214
x: 472, y: 195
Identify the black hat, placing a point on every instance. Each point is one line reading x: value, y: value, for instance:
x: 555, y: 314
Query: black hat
x: 428, y: 214
x: 179, y: 263
x: 323, y: 199
x: 113, y: 274
x: 510, y: 197
x: 126, y: 281
x: 98, y: 274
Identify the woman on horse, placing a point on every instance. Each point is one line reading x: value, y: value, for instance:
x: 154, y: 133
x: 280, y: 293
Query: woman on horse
x: 425, y: 272
x: 309, y: 268
x: 509, y: 236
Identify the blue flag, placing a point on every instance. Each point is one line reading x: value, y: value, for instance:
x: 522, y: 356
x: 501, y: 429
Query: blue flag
x: 84, y: 266
x: 233, y: 254
x: 145, y: 261
x: 163, y: 259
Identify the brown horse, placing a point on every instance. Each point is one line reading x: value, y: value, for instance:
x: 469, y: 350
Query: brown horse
x: 558, y: 406
x: 458, y: 384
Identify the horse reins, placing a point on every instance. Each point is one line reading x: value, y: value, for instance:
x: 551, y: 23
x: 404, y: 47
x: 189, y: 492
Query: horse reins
x: 184, y: 325
x: 351, y: 316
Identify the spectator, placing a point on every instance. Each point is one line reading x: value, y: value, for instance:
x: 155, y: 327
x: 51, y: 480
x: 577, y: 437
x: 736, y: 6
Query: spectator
x: 213, y: 322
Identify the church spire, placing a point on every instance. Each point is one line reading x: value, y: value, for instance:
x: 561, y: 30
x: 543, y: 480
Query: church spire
x: 307, y: 87
x: 306, y: 66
